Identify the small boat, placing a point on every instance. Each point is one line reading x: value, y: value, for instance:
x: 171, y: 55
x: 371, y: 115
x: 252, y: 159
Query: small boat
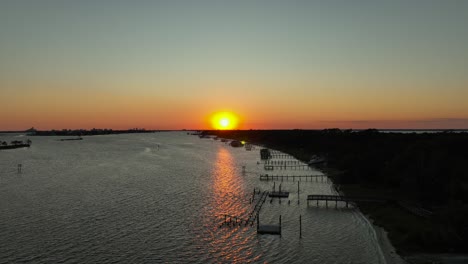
x: 236, y: 144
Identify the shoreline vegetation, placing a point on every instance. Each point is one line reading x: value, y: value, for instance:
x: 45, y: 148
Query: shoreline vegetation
x: 422, y: 175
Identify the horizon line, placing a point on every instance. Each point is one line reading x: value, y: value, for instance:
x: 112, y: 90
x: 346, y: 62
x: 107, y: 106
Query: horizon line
x: 258, y: 129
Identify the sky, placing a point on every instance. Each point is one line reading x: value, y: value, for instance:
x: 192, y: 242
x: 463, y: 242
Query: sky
x: 275, y: 64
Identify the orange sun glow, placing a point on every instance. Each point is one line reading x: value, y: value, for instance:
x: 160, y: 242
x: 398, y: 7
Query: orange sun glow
x: 224, y: 121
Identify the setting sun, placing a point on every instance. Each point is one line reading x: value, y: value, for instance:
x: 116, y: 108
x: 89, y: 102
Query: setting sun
x: 224, y: 121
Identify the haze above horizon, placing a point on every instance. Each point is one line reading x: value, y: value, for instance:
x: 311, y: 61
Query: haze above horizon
x: 275, y: 64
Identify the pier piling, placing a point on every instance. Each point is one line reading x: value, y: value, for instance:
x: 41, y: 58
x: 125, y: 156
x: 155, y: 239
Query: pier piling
x: 258, y: 221
x: 280, y: 224
x: 300, y: 226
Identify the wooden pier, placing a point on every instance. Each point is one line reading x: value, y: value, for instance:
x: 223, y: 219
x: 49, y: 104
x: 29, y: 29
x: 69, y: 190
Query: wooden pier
x: 281, y: 156
x: 279, y: 193
x: 259, y: 204
x: 284, y: 162
x: 266, y: 177
x: 272, y: 151
x: 341, y: 198
x: 287, y: 167
x: 236, y: 220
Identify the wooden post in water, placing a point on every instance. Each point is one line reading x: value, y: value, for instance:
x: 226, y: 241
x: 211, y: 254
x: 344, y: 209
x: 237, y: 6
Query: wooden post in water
x: 298, y: 193
x: 280, y: 225
x: 300, y: 226
x: 258, y: 221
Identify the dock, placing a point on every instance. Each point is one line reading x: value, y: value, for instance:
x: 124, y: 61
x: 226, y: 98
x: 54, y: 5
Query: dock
x: 341, y: 198
x: 281, y: 156
x: 279, y: 194
x: 232, y: 220
x: 287, y: 167
x: 266, y: 177
x: 284, y: 162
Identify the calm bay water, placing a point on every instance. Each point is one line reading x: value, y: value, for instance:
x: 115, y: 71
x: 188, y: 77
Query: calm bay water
x: 123, y: 199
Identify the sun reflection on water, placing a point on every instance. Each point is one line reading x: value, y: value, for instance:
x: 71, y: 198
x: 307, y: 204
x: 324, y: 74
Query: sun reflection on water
x: 227, y: 191
x: 228, y: 244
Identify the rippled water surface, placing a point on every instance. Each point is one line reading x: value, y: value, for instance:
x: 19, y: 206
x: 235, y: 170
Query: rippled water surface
x: 160, y: 198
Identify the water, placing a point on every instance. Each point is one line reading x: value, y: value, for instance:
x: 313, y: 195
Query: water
x: 123, y: 199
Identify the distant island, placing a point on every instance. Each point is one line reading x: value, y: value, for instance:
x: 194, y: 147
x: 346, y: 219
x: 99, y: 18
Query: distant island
x: 423, y: 175
x: 15, y: 144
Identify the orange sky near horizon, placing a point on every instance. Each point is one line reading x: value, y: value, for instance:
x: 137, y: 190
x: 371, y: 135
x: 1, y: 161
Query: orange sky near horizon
x: 56, y: 108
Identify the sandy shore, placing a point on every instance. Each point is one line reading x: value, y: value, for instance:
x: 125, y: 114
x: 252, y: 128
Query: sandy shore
x: 438, y: 258
x: 388, y: 251
x: 386, y: 248
x: 391, y: 257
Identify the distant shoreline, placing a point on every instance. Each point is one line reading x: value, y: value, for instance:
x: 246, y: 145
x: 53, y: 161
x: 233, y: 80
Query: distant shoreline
x: 279, y: 129
x: 95, y: 132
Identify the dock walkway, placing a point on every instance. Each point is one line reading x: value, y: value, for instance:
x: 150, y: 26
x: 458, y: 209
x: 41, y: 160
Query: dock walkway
x: 284, y: 162
x: 341, y: 198
x: 267, y: 177
x: 287, y: 167
x: 252, y: 217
